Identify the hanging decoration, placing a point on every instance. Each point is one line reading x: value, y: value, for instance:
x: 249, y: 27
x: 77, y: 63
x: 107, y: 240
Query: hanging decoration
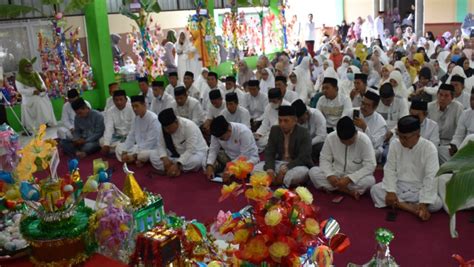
x: 145, y: 39
x: 202, y: 29
x: 62, y: 60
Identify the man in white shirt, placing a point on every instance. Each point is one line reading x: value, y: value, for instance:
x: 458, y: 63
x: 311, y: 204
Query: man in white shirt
x: 212, y: 84
x: 215, y: 109
x: 231, y: 87
x: 459, y: 93
x: 235, y: 112
x: 392, y: 108
x: 372, y: 123
x: 187, y: 107
x: 379, y: 29
x: 270, y: 117
x: 288, y: 152
x: 191, y: 89
x: 465, y: 126
x: 410, y: 181
x: 173, y: 82
x: 118, y: 123
x: 67, y: 117
x: 142, y: 138
x: 288, y: 95
x: 256, y: 102
x: 236, y: 140
x: 145, y: 91
x: 428, y: 128
x: 347, y: 161
x: 360, y: 87
x: 313, y: 120
x: 332, y: 104
x: 310, y: 34
x: 162, y: 100
x: 110, y: 101
x: 182, y: 147
x: 445, y: 111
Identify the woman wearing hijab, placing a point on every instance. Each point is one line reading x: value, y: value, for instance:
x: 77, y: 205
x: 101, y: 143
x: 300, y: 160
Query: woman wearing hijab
x: 182, y: 49
x: 373, y: 77
x: 298, y: 86
x: 385, y: 74
x: 245, y: 74
x: 438, y: 73
x: 336, y: 56
x: 400, y: 66
x: 425, y: 87
x: 303, y: 71
x: 267, y: 80
x: 464, y: 63
x: 36, y: 108
x: 399, y: 88
x: 346, y: 85
x: 170, y: 52
x: 201, y: 81
x: 342, y: 70
x: 194, y: 62
x: 317, y: 68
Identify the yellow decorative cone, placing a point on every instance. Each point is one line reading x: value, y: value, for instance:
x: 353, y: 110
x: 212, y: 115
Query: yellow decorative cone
x: 132, y: 189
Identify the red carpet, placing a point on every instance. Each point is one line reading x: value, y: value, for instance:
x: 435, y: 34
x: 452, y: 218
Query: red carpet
x: 416, y: 243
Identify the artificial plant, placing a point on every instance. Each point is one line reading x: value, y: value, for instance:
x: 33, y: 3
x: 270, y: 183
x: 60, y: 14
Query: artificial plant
x: 460, y: 188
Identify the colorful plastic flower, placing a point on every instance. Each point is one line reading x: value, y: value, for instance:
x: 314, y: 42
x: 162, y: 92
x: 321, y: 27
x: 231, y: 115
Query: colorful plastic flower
x: 311, y: 226
x: 241, y: 236
x: 239, y: 168
x: 228, y: 190
x: 280, y: 192
x: 260, y: 179
x: 304, y: 195
x: 26, y: 167
x: 323, y: 256
x: 279, y: 250
x: 255, y: 250
x: 273, y: 217
x: 228, y: 225
x: 258, y: 193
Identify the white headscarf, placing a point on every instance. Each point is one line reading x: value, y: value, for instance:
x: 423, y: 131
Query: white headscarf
x: 342, y: 70
x: 201, y: 81
x: 403, y: 70
x: 301, y: 88
x: 345, y: 86
x: 400, y: 89
x: 303, y: 72
x: 317, y: 70
x: 383, y: 57
x: 269, y: 83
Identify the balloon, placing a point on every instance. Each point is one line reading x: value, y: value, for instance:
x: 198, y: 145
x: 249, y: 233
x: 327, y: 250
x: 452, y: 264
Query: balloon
x: 91, y: 185
x: 6, y: 177
x: 12, y: 194
x: 103, y: 177
x: 29, y: 192
x: 339, y: 243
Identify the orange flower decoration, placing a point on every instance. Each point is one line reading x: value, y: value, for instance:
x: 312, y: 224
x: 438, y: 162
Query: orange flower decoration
x: 239, y: 168
x: 241, y: 236
x: 228, y: 225
x: 228, y: 190
x: 279, y: 250
x: 260, y: 179
x: 255, y: 250
x: 258, y: 193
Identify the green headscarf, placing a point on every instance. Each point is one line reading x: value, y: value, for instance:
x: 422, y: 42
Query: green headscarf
x: 32, y: 79
x: 171, y: 36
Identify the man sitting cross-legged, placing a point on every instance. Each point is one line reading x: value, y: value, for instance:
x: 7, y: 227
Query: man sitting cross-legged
x: 235, y: 139
x: 288, y: 152
x: 182, y: 147
x: 347, y: 161
x: 410, y: 181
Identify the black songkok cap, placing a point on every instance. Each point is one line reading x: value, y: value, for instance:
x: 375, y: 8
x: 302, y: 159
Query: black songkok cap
x: 219, y: 126
x: 331, y: 81
x: 286, y: 111
x: 180, y: 90
x: 232, y: 97
x: 386, y: 90
x: 345, y: 128
x: 299, y: 107
x: 408, y: 124
x: 215, y: 94
x: 274, y: 93
x: 167, y: 117
x: 419, y: 105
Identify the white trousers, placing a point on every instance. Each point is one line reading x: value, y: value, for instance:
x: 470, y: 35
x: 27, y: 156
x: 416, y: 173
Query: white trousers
x: 262, y: 143
x: 194, y: 162
x: 405, y: 193
x: 319, y: 180
x: 443, y: 154
x: 295, y: 176
x: 64, y: 133
x: 142, y: 155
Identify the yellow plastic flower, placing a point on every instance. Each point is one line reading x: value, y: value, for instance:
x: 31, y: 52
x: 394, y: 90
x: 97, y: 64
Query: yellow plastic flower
x: 26, y: 167
x: 260, y: 179
x: 311, y: 226
x: 240, y: 168
x: 280, y: 192
x: 214, y: 264
x: 228, y: 190
x: 279, y: 250
x: 258, y: 193
x: 273, y: 217
x: 255, y: 250
x: 304, y: 195
x: 241, y: 236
